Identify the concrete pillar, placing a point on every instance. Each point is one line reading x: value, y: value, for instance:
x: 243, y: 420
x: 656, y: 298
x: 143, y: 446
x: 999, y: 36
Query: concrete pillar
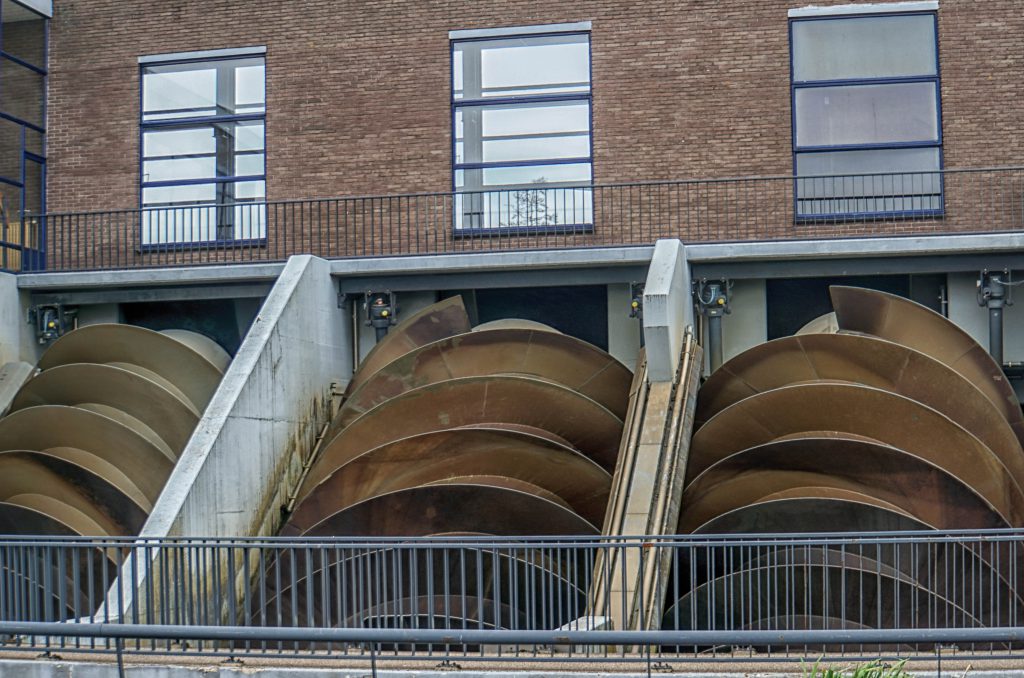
x: 668, y: 309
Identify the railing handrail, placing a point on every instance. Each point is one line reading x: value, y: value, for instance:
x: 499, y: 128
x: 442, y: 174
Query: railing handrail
x: 461, y: 637
x: 538, y: 187
x: 583, y: 541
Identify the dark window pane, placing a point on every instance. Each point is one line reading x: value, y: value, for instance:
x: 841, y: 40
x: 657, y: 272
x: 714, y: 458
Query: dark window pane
x: 866, y: 114
x: 24, y: 34
x: 10, y: 150
x: 882, y: 180
x: 22, y: 92
x: 865, y: 47
x: 33, y: 187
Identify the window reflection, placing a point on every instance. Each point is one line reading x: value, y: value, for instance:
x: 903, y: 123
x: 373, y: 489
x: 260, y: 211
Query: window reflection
x: 522, y: 146
x: 22, y: 132
x: 866, y: 115
x: 203, y: 133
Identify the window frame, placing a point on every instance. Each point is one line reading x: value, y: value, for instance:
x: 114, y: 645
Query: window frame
x: 195, y: 122
x: 520, y: 33
x: 797, y: 150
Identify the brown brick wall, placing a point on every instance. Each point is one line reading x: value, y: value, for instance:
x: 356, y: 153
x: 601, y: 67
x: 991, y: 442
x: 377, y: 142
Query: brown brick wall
x: 358, y: 92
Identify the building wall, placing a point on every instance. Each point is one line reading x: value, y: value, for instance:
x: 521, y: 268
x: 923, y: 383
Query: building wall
x: 358, y: 93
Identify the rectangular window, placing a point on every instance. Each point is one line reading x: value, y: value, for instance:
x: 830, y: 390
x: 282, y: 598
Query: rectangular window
x: 867, y: 132
x: 203, y: 150
x: 521, y: 131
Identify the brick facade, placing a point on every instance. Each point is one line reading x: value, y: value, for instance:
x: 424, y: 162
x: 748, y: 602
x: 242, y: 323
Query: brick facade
x: 358, y: 92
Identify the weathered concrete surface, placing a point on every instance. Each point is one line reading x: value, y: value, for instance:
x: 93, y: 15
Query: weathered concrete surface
x: 668, y: 309
x: 266, y: 413
x: 17, y: 337
x: 248, y: 450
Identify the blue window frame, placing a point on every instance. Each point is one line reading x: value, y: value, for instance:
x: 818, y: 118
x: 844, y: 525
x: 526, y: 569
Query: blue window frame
x: 203, y: 151
x: 521, y: 120
x: 867, y: 122
x: 23, y: 73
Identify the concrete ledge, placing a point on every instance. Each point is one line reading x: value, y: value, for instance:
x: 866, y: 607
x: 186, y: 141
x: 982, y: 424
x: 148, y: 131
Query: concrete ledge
x: 181, y: 275
x: 488, y: 261
x: 984, y: 243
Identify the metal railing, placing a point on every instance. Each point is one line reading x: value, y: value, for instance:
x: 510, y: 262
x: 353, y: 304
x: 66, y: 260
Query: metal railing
x: 749, y: 597
x: 620, y: 214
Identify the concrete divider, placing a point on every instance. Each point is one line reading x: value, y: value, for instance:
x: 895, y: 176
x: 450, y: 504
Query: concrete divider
x: 248, y: 450
x: 668, y: 309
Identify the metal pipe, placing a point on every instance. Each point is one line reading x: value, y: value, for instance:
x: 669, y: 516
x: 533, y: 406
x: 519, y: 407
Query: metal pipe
x: 995, y: 333
x: 992, y: 294
x: 715, y: 341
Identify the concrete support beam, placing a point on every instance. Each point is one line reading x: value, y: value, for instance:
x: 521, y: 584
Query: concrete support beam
x: 646, y: 493
x: 248, y: 451
x: 668, y: 309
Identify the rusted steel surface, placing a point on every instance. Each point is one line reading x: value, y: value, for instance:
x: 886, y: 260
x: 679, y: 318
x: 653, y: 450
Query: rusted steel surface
x: 425, y: 458
x: 864, y: 411
x: 92, y: 438
x: 586, y: 425
x: 905, y: 322
x: 132, y: 463
x: 924, y: 491
x: 437, y: 321
x: 158, y: 356
x: 885, y: 416
x: 456, y: 508
x: 868, y: 361
x: 142, y: 399
x: 509, y: 429
x: 213, y: 352
x: 566, y: 360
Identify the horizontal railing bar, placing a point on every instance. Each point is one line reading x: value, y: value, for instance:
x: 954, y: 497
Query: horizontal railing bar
x: 507, y: 637
x: 908, y: 536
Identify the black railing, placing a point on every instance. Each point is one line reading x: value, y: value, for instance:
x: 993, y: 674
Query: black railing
x: 623, y: 214
x: 748, y: 597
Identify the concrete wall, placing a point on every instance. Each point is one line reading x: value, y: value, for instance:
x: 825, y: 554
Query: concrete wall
x: 965, y: 312
x: 747, y: 325
x: 248, y: 447
x: 623, y: 331
x: 17, y: 337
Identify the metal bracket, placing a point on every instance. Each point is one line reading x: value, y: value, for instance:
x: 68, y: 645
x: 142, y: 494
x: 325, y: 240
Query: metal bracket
x: 713, y: 297
x: 995, y: 288
x: 636, y: 300
x: 52, y: 320
x: 381, y: 310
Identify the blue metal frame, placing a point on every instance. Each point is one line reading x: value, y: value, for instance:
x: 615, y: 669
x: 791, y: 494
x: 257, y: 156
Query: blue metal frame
x: 455, y: 104
x: 807, y: 84
x: 32, y: 259
x: 149, y: 125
